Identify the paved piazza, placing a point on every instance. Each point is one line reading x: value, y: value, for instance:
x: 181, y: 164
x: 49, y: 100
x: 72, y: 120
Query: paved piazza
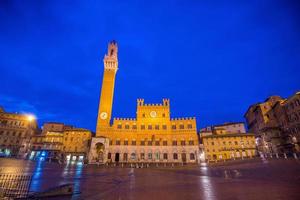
x: 276, y: 179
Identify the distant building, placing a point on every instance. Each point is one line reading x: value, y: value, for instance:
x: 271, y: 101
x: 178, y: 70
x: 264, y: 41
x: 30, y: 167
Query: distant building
x: 232, y: 127
x: 47, y: 145
x: 61, y: 142
x: 227, y: 141
x: 229, y: 127
x: 276, y: 124
x: 206, y: 131
x: 16, y: 131
x: 228, y: 146
x: 55, y: 127
x: 152, y: 137
x: 76, y: 143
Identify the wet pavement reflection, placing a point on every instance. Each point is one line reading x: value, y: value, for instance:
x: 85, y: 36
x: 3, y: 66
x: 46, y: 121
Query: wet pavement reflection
x: 279, y: 179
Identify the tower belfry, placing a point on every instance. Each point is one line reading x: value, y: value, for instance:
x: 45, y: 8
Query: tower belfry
x: 111, y: 58
x: 107, y: 90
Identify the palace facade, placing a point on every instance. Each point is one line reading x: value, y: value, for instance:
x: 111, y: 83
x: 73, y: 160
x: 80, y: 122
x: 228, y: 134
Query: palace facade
x: 152, y: 137
x: 16, y: 131
x: 227, y: 141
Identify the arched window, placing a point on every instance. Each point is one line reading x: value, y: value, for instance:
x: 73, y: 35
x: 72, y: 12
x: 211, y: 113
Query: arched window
x: 175, y: 156
x: 132, y: 157
x: 165, y: 156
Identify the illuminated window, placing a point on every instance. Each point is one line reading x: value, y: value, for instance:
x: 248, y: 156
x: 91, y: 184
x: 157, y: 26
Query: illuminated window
x: 133, y: 156
x: 157, y: 156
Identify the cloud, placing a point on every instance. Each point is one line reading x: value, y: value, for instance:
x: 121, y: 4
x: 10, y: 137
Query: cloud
x: 15, y: 105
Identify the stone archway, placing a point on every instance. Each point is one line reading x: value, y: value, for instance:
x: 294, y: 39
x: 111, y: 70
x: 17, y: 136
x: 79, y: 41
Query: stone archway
x: 100, y: 152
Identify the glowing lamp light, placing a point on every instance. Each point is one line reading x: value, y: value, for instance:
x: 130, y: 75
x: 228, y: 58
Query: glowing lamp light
x: 30, y: 117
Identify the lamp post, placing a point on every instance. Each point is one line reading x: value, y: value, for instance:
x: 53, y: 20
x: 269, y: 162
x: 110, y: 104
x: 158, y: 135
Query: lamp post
x: 27, y: 140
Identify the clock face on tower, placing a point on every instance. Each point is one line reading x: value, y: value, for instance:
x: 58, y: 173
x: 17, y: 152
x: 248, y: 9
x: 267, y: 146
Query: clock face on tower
x: 103, y: 115
x: 153, y: 114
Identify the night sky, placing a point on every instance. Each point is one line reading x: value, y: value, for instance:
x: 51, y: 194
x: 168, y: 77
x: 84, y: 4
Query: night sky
x: 211, y: 58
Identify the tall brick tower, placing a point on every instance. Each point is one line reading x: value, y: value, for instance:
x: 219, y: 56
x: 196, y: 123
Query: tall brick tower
x: 107, y: 90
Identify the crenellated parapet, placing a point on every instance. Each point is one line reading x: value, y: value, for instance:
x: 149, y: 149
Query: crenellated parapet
x: 183, y: 119
x: 165, y: 103
x: 183, y: 123
x: 117, y: 119
x: 124, y: 123
x: 140, y: 102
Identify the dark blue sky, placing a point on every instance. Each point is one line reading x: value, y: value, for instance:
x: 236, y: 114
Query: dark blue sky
x: 211, y: 59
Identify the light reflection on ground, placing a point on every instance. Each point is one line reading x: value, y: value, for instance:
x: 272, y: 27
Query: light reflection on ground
x: 36, y: 177
x: 205, y: 183
x: 254, y: 180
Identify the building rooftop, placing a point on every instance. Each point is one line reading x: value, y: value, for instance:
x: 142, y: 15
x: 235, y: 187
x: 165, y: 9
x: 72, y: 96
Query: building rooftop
x: 228, y: 135
x: 227, y: 124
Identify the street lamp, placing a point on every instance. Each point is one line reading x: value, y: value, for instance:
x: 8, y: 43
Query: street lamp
x: 30, y: 117
x: 27, y: 140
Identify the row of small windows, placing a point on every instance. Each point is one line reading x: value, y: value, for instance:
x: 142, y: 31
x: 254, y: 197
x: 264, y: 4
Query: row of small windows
x: 11, y: 133
x: 230, y: 143
x: 155, y: 127
x: 163, y: 115
x: 13, y: 123
x: 150, y: 156
x: 5, y: 140
x: 150, y: 143
x: 77, y: 134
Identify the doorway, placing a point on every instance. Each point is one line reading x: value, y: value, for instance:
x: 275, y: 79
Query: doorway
x: 117, y: 157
